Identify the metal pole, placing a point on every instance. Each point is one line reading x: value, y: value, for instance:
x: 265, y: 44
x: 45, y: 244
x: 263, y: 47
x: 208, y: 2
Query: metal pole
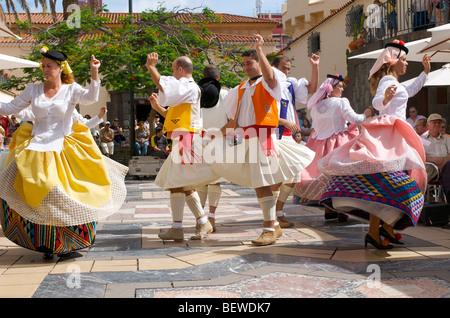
x: 132, y: 100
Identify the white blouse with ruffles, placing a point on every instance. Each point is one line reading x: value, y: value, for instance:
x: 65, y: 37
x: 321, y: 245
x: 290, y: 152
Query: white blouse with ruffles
x: 53, y: 116
x: 330, y: 116
x: 398, y: 104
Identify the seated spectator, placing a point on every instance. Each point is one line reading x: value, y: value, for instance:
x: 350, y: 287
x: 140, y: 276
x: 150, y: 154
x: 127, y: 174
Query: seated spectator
x: 306, y: 129
x: 414, y: 116
x: 93, y: 131
x: 159, y: 146
x: 4, y: 123
x: 443, y: 127
x: 298, y: 137
x: 118, y: 133
x: 107, y: 140
x: 13, y: 124
x: 7, y: 142
x: 421, y: 126
x: 437, y: 152
x: 142, y: 137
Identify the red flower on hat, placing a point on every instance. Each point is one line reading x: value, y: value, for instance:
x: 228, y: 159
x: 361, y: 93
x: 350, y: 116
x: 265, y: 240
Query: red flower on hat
x: 401, y: 43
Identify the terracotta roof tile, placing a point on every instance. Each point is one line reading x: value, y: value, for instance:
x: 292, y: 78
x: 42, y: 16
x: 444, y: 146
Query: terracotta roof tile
x: 46, y: 18
x: 228, y: 38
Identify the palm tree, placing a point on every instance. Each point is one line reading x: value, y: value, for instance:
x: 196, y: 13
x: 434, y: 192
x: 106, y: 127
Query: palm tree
x: 66, y: 4
x: 11, y: 7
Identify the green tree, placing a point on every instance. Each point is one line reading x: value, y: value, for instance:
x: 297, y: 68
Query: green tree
x: 123, y: 50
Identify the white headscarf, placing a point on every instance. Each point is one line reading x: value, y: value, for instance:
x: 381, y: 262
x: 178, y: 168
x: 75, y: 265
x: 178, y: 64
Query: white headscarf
x: 391, y: 54
x: 324, y: 90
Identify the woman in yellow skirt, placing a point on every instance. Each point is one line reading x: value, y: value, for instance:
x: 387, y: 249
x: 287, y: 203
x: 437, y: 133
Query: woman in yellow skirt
x: 56, y: 184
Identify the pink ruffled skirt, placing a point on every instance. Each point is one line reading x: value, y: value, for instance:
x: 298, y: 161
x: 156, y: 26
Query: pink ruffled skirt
x: 385, y: 145
x: 310, y: 188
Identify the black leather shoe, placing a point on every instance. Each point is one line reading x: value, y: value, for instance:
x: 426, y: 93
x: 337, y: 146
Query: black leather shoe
x: 371, y: 240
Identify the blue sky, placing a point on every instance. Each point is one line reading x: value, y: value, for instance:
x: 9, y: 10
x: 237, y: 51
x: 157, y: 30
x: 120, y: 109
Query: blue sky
x: 239, y: 7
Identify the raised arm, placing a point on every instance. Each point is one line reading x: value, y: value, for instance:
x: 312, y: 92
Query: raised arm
x: 264, y: 64
x: 152, y: 60
x: 314, y: 80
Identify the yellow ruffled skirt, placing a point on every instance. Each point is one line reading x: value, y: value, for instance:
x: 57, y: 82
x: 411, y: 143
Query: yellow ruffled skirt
x: 76, y: 186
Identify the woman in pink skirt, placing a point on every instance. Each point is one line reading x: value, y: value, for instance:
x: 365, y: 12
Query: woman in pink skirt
x: 330, y: 113
x: 380, y: 175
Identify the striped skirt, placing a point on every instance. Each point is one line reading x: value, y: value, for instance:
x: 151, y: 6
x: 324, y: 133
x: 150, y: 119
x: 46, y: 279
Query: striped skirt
x: 394, y: 197
x: 47, y: 239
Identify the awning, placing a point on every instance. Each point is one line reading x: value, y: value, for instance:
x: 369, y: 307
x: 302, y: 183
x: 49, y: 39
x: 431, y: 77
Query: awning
x: 415, y: 52
x: 5, y: 31
x: 440, y: 77
x: 10, y: 62
x: 439, y: 42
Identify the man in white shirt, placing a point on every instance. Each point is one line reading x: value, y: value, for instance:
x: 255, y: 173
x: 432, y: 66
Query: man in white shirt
x: 437, y: 152
x: 414, y: 116
x: 421, y: 126
x: 252, y: 109
x: 294, y: 91
x: 183, y: 123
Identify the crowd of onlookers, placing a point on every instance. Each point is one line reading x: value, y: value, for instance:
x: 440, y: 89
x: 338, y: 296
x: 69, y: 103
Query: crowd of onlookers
x: 8, y: 126
x: 110, y: 135
x: 436, y: 142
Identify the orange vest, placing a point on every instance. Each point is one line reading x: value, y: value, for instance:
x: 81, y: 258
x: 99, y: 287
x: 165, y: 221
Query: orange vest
x: 264, y: 106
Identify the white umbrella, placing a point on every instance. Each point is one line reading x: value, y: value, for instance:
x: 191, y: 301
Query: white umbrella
x: 440, y: 77
x: 414, y: 53
x: 440, y: 40
x: 9, y: 62
x: 4, y: 31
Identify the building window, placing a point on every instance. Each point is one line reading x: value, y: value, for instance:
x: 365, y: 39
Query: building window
x: 314, y: 43
x: 353, y: 20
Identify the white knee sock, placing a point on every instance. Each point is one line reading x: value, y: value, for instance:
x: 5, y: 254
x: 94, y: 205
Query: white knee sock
x: 276, y: 194
x: 285, y: 191
x: 214, y: 193
x: 193, y: 202
x: 203, y: 194
x: 177, y: 205
x: 268, y: 207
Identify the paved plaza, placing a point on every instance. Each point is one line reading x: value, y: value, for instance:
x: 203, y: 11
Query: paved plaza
x: 316, y: 258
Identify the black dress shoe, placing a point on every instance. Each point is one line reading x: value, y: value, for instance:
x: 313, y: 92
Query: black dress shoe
x: 392, y: 239
x: 371, y: 240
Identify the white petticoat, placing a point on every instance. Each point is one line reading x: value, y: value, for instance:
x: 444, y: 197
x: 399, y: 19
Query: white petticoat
x: 246, y: 164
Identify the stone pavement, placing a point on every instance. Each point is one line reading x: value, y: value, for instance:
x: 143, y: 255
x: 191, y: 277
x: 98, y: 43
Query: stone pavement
x: 316, y: 258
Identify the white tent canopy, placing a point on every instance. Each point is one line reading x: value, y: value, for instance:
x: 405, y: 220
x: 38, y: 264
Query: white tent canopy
x: 10, y: 62
x: 4, y: 31
x: 414, y: 48
x: 440, y: 41
x: 440, y: 77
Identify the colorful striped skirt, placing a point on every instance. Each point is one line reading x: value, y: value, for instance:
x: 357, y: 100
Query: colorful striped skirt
x: 394, y: 197
x: 46, y: 239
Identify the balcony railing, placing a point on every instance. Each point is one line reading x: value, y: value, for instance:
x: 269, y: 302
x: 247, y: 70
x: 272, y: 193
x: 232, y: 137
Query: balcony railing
x: 391, y: 18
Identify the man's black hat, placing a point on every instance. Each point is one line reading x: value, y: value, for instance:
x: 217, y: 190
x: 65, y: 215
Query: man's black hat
x: 210, y: 92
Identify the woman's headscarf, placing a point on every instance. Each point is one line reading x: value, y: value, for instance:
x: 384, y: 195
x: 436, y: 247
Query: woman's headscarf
x: 391, y: 54
x: 324, y: 89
